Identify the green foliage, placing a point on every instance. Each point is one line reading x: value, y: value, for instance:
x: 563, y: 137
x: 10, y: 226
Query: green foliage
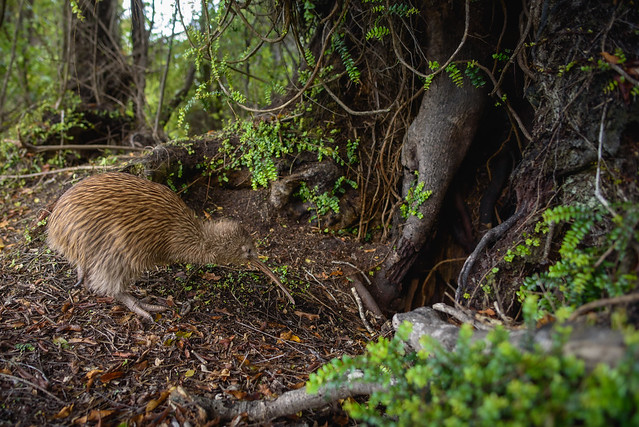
x: 309, y: 12
x: 380, y: 10
x: 414, y: 199
x: 565, y: 68
x: 34, y: 76
x: 473, y: 73
x: 234, y: 66
x: 433, y: 66
x: 377, y: 32
x: 22, y: 347
x: 77, y: 11
x: 455, y: 75
x: 351, y: 152
x: 262, y: 144
x: 323, y: 203
x: 502, y: 56
x: 484, y: 383
x: 591, y: 266
x: 347, y: 59
x: 522, y: 250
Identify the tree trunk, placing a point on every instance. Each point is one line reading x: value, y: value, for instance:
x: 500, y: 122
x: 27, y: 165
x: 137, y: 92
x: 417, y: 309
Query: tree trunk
x: 99, y: 71
x: 582, y: 101
x: 434, y: 147
x: 140, y: 42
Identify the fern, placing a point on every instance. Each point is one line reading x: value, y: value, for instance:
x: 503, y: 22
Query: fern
x: 347, y: 59
x: 377, y: 32
x: 585, y: 272
x: 402, y: 10
x: 472, y: 72
x: 455, y: 75
x: 416, y: 197
x: 310, y: 58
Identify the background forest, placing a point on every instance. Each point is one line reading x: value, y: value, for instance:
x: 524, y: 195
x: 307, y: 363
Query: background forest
x: 478, y: 157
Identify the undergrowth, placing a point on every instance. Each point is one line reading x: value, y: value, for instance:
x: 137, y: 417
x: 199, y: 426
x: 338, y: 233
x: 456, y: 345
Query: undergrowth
x: 595, y: 258
x: 263, y: 144
x: 484, y: 383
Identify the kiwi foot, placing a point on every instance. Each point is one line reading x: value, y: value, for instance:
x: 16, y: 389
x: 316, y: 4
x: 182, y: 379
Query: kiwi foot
x: 138, y: 307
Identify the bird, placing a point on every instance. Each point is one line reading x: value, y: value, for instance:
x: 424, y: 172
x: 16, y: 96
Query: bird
x: 114, y: 226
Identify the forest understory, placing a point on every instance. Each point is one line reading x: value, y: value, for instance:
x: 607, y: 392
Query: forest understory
x: 468, y: 166
x: 79, y: 358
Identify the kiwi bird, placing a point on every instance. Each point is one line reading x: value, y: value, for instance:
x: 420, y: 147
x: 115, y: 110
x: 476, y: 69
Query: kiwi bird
x: 114, y: 226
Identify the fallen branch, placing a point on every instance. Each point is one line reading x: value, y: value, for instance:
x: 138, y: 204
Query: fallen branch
x: 591, y: 344
x: 79, y: 147
x: 288, y: 403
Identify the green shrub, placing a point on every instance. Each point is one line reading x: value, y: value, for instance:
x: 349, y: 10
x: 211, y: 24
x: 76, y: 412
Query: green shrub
x: 484, y: 383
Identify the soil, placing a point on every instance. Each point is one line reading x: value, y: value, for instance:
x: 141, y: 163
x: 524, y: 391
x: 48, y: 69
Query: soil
x: 69, y: 357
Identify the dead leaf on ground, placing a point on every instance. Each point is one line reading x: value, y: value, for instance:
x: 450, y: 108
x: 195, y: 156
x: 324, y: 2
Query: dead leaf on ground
x: 67, y: 327
x: 64, y: 412
x: 289, y: 336
x: 309, y: 316
x: 154, y: 403
x: 91, y: 376
x: 211, y: 277
x: 610, y: 57
x: 109, y: 376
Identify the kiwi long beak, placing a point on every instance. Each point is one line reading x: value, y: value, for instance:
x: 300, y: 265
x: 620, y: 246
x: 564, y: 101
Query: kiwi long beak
x: 259, y: 264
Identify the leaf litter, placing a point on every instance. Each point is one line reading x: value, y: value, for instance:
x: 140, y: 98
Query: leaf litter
x: 68, y: 357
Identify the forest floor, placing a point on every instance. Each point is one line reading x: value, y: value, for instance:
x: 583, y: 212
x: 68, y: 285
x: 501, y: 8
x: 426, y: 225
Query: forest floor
x: 68, y: 357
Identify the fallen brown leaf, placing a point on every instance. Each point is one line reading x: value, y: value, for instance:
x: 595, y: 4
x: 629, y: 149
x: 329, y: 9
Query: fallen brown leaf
x: 610, y: 57
x: 109, y: 376
x: 91, y: 376
x: 64, y: 412
x: 238, y: 394
x: 154, y: 403
x: 67, y: 327
x: 309, y: 316
x: 288, y: 335
x: 141, y: 366
x: 125, y: 355
x: 211, y: 277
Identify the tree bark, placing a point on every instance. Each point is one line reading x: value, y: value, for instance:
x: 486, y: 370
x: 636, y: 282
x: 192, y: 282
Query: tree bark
x: 434, y: 147
x: 140, y: 42
x: 99, y: 71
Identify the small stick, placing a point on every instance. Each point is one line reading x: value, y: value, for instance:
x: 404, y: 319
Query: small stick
x: 360, y: 308
x: 461, y: 316
x: 624, y: 299
x: 14, y: 378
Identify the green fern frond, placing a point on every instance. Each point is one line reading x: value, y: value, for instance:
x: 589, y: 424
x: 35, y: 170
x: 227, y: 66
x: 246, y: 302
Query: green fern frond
x: 455, y: 75
x: 347, y: 59
x: 377, y: 32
